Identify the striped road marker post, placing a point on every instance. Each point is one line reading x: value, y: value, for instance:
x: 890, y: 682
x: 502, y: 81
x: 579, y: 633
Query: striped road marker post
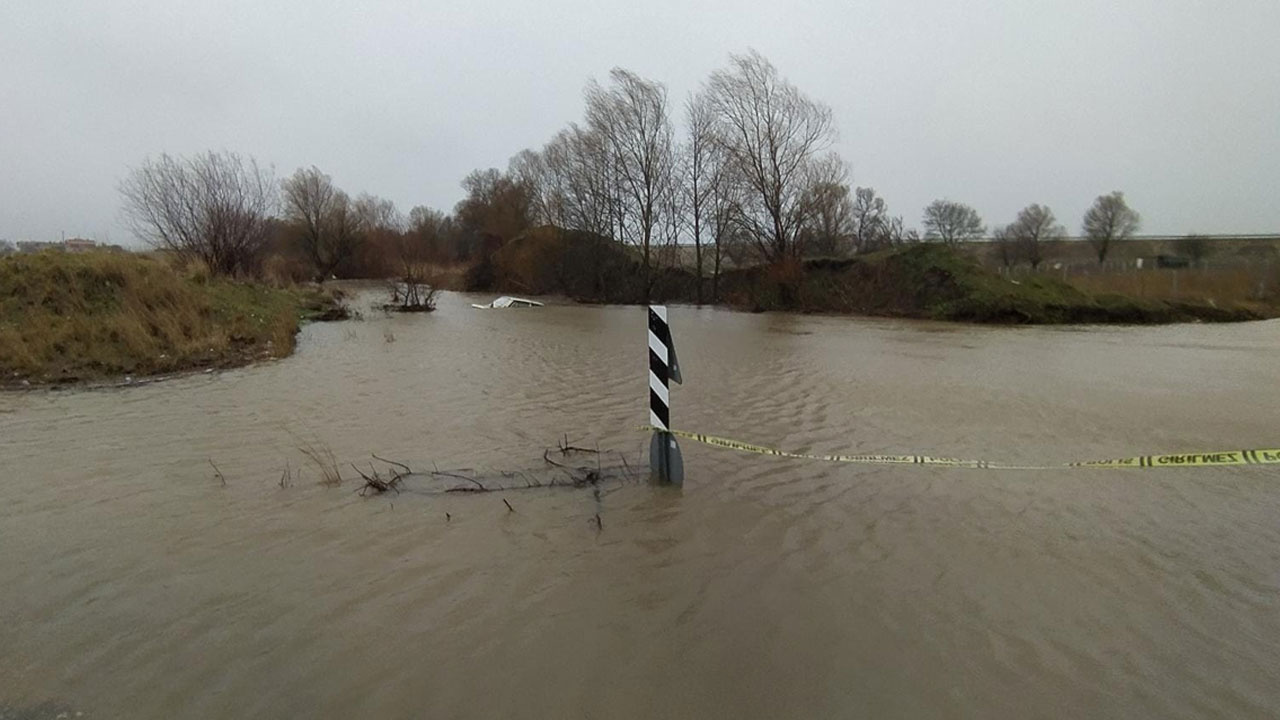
x: 666, y: 467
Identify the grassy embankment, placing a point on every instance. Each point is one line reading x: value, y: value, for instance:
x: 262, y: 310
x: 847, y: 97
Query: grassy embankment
x: 1255, y: 287
x: 1243, y: 272
x: 89, y: 317
x: 931, y: 281
x: 919, y: 281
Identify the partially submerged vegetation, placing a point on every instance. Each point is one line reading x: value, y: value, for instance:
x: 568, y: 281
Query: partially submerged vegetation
x: 68, y: 318
x: 578, y: 468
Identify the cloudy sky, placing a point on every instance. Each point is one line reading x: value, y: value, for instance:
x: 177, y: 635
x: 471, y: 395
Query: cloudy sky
x: 998, y: 103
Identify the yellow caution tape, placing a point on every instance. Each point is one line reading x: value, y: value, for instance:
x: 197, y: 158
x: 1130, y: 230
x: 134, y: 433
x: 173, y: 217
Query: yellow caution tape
x: 1199, y: 459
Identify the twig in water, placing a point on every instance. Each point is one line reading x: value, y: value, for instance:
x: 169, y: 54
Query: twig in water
x: 566, y: 448
x: 504, y: 502
x: 393, y: 462
x: 442, y: 473
x: 546, y: 455
x: 218, y: 473
x: 376, y: 483
x: 626, y: 467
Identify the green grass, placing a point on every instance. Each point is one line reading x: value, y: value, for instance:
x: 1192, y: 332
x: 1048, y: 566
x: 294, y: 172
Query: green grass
x: 86, y: 317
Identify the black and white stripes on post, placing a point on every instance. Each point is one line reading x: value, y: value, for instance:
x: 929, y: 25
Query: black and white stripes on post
x: 665, y: 462
x: 662, y: 368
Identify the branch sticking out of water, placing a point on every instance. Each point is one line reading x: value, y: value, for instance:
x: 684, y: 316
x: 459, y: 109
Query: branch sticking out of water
x: 559, y: 471
x: 218, y: 473
x: 478, y: 488
x: 376, y: 483
x: 406, y: 469
x: 546, y: 455
x: 566, y: 448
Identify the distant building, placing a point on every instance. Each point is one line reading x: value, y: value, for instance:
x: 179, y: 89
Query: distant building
x: 75, y: 245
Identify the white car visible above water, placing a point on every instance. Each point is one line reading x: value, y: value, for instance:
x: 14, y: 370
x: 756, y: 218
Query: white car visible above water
x: 507, y: 301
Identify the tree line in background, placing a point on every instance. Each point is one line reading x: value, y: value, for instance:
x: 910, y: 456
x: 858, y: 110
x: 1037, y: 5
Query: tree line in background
x: 749, y: 176
x: 230, y: 214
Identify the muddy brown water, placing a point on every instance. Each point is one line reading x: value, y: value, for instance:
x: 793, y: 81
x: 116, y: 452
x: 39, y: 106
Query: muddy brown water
x: 134, y: 584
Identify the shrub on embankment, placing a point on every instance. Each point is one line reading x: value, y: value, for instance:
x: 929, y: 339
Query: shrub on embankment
x: 933, y: 281
x: 76, y: 317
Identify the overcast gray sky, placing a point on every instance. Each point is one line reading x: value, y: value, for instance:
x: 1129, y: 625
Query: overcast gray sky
x: 997, y: 104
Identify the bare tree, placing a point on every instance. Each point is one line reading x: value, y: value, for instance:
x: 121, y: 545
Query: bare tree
x: 497, y: 208
x: 772, y: 134
x: 703, y: 173
x: 894, y: 232
x: 728, y: 230
x: 951, y: 222
x: 213, y: 207
x: 1109, y: 219
x: 430, y: 233
x: 382, y: 229
x: 713, y: 193
x: 528, y: 169
x: 576, y: 182
x: 1005, y: 245
x: 326, y: 221
x: 870, y: 217
x: 674, y: 212
x: 377, y: 214
x: 415, y: 248
x: 578, y: 192
x: 631, y: 116
x: 1035, y: 226
x: 830, y: 228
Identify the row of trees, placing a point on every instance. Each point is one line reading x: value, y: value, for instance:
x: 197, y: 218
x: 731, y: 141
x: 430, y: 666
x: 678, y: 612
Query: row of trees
x: 231, y: 214
x: 752, y: 165
x: 749, y: 175
x: 1108, y: 220
x: 225, y: 210
x: 753, y: 168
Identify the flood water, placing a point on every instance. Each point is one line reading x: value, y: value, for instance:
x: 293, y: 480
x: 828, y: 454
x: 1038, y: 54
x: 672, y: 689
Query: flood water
x: 136, y: 584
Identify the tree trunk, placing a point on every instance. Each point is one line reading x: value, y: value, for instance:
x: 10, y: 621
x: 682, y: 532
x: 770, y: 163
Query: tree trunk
x: 697, y: 258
